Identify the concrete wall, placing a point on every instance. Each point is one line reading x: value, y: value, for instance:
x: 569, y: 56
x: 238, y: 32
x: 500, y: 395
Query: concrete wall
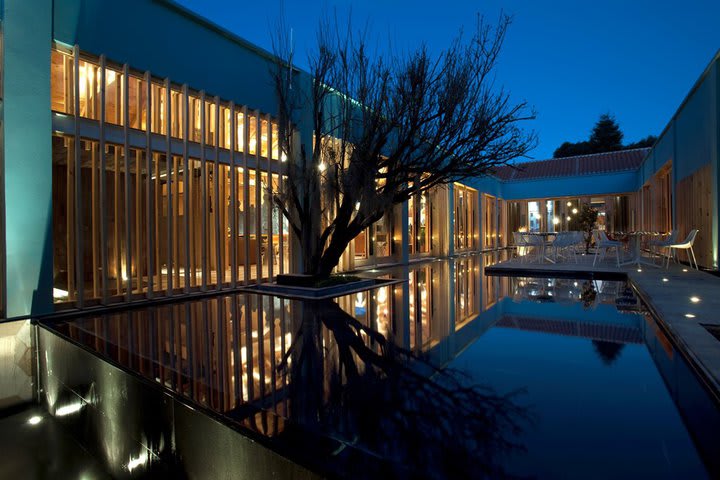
x: 27, y: 155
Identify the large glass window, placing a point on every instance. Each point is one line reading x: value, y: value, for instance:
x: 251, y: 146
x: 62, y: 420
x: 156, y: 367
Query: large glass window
x: 158, y: 101
x: 62, y: 88
x: 128, y: 222
x: 466, y: 223
x: 89, y: 89
x: 137, y: 103
x: 176, y: 113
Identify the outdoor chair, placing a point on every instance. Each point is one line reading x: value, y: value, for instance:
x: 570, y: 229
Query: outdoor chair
x: 656, y: 246
x: 537, y: 243
x: 603, y: 243
x: 686, y: 245
x: 521, y: 245
x: 564, y: 241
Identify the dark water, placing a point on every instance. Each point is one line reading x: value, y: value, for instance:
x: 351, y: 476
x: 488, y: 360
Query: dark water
x: 451, y: 374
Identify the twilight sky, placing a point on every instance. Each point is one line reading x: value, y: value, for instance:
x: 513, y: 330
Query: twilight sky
x: 571, y: 59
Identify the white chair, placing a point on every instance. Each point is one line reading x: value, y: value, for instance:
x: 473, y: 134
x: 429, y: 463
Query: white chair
x: 537, y: 243
x: 564, y: 241
x: 521, y: 246
x: 657, y: 245
x: 686, y: 245
x: 602, y: 242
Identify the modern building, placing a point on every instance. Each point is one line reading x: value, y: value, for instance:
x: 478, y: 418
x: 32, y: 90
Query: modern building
x: 135, y: 167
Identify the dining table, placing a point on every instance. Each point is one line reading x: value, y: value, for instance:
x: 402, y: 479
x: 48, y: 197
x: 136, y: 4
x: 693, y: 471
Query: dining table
x: 546, y: 237
x: 635, y: 238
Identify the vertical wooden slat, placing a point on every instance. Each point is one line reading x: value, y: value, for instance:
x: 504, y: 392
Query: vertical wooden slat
x: 271, y: 247
x: 94, y: 221
x: 116, y: 224
x: 217, y: 179
x: 233, y: 201
x: 149, y: 203
x: 258, y: 198
x: 170, y: 180
x: 79, y: 267
x: 203, y: 176
x: 138, y: 219
x: 176, y: 222
x: 246, y: 196
x: 70, y: 220
x: 103, y: 194
x: 187, y: 178
x: 128, y: 209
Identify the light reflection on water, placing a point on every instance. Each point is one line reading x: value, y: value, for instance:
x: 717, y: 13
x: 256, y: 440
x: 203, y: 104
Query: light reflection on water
x: 447, y: 373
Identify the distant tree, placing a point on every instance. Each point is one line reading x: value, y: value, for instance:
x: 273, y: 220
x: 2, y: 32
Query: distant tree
x: 569, y: 149
x: 648, y: 141
x: 606, y: 135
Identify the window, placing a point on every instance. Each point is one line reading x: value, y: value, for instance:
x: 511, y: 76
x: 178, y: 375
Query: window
x: 61, y: 82
x: 176, y: 113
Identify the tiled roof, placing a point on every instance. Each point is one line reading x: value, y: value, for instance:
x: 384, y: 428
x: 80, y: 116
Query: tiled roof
x: 580, y: 165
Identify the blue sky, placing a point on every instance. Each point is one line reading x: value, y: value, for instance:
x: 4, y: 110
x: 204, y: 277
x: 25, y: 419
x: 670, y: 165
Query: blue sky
x: 571, y: 59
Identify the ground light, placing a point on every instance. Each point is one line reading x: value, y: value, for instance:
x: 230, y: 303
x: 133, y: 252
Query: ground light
x: 689, y: 315
x: 694, y: 299
x: 34, y: 420
x: 665, y: 280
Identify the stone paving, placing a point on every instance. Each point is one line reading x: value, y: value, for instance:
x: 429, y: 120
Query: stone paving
x: 681, y: 298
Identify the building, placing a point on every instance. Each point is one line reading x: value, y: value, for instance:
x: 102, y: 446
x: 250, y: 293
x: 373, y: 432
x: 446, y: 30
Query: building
x: 133, y: 167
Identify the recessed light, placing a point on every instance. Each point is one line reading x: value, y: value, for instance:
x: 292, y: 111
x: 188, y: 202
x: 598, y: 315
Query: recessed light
x: 689, y: 315
x: 694, y: 299
x: 34, y: 420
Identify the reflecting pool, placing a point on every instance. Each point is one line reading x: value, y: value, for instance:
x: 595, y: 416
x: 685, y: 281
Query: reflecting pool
x: 449, y: 374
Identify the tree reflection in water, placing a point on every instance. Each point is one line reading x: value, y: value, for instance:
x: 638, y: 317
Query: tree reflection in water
x: 416, y: 419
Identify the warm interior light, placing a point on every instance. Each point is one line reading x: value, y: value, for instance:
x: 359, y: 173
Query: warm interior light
x: 110, y: 75
x: 684, y: 269
x: 694, y: 299
x: 569, y: 204
x: 568, y: 219
x: 283, y: 157
x: 322, y: 167
x: 58, y: 293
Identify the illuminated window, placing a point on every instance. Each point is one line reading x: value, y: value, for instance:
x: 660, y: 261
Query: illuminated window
x: 252, y: 135
x: 89, y: 89
x: 240, y: 134
x: 113, y: 96
x: 176, y: 113
x: 61, y: 82
x: 137, y: 103
x: 158, y: 98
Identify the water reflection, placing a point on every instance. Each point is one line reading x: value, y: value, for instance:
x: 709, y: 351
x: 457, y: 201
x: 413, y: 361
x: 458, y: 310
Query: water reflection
x: 370, y: 377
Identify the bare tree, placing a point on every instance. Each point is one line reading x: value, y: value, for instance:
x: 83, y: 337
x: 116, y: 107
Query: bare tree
x: 386, y: 127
